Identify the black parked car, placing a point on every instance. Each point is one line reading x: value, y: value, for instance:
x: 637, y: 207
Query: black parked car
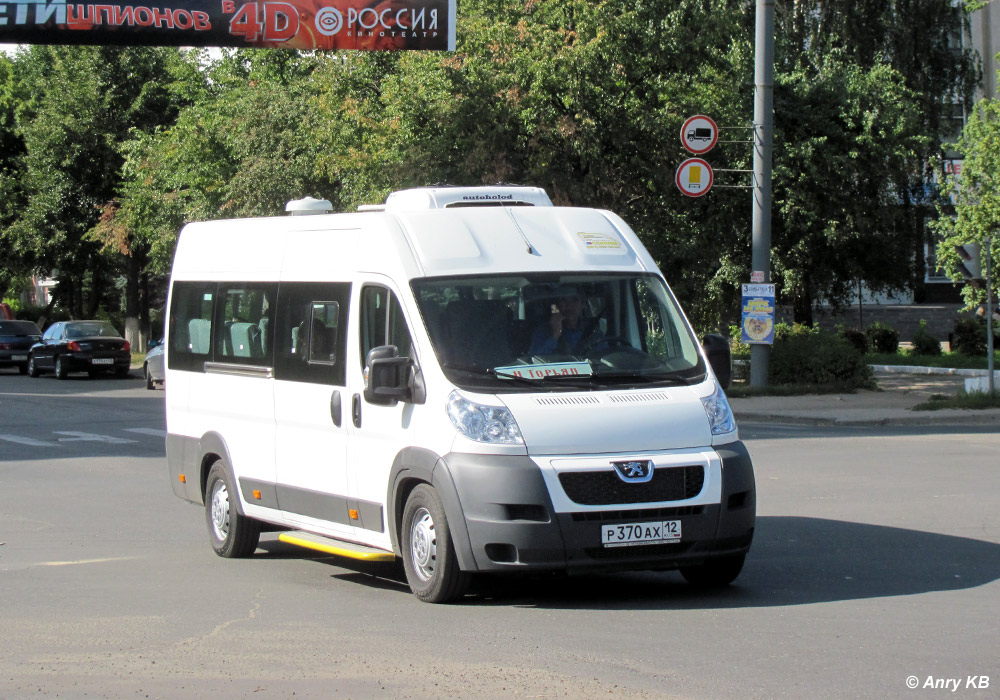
x: 80, y: 346
x: 16, y: 339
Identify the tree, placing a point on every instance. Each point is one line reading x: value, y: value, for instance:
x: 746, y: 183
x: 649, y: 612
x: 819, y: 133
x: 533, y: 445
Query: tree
x: 843, y: 134
x: 973, y: 216
x: 583, y: 99
x: 77, y: 106
x: 922, y: 41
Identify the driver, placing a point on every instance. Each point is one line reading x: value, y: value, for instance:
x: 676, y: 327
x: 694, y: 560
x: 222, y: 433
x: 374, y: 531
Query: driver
x: 566, y: 331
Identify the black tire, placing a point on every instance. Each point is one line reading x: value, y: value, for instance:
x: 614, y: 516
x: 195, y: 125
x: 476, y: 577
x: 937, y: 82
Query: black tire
x: 122, y: 372
x: 232, y: 535
x: 714, y: 573
x: 149, y: 377
x: 23, y: 369
x: 61, y: 369
x: 429, y: 556
x: 32, y: 369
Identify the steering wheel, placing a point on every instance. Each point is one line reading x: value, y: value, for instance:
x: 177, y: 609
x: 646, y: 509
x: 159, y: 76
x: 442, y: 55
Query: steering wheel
x: 611, y: 340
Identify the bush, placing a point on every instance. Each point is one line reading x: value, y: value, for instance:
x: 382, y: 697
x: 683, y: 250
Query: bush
x: 969, y: 337
x: 854, y: 336
x: 882, y: 337
x: 924, y: 342
x: 818, y: 358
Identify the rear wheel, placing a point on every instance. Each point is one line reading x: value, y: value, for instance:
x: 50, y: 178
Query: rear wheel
x: 61, y: 368
x: 429, y: 556
x: 23, y: 369
x: 122, y: 372
x: 232, y: 535
x: 714, y: 573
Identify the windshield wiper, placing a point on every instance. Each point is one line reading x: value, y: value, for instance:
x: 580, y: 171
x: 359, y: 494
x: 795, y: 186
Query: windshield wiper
x: 648, y: 378
x: 489, y: 372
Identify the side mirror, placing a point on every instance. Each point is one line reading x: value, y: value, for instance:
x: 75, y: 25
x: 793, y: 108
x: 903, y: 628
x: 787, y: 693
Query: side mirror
x: 717, y: 348
x: 386, y: 376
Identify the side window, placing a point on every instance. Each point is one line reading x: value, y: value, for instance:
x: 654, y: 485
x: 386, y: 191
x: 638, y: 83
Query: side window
x: 311, y: 332
x: 190, y: 326
x: 382, y: 322
x: 52, y: 332
x: 244, y: 314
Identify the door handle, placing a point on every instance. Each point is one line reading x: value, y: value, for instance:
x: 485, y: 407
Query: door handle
x: 356, y: 410
x: 335, y: 410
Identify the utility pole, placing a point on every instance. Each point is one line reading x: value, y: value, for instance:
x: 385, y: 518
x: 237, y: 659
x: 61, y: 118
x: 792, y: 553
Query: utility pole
x: 763, y: 139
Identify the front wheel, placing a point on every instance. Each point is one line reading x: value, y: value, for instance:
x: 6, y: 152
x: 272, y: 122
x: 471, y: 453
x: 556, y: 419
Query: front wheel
x: 149, y: 377
x: 232, y: 535
x: 32, y: 368
x: 429, y: 556
x: 714, y: 573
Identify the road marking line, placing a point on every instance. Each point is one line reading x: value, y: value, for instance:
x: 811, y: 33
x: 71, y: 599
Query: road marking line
x: 28, y: 441
x: 77, y: 436
x: 147, y: 431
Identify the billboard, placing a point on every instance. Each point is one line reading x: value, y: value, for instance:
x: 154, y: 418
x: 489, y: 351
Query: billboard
x: 325, y: 25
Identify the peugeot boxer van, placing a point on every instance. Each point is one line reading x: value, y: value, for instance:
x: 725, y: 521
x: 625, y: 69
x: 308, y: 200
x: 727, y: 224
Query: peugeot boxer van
x: 466, y: 379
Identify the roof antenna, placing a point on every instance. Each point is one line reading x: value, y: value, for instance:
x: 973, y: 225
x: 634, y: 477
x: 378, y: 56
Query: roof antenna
x: 531, y: 249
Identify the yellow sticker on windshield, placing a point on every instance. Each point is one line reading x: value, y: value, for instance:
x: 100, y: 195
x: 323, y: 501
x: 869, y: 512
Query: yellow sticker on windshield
x: 599, y: 241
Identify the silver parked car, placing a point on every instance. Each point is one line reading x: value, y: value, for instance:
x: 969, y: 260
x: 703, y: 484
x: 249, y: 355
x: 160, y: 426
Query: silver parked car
x: 152, y: 366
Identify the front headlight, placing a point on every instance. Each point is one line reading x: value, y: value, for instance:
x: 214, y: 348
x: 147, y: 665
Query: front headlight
x: 720, y: 415
x: 493, y: 424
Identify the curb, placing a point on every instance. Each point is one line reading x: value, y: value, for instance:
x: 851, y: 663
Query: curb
x: 915, y: 369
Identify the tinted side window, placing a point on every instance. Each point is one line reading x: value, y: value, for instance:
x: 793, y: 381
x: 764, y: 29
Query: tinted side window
x: 382, y: 322
x: 310, y: 338
x: 190, y: 325
x: 242, y: 329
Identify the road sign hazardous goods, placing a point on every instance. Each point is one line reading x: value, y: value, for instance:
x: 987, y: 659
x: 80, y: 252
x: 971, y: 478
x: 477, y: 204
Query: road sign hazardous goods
x: 699, y: 134
x: 695, y: 177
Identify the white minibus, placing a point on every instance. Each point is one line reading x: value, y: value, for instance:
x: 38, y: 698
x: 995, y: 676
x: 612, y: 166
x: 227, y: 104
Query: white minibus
x: 466, y: 379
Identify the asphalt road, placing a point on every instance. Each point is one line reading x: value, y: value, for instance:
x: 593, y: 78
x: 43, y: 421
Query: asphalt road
x: 875, y: 564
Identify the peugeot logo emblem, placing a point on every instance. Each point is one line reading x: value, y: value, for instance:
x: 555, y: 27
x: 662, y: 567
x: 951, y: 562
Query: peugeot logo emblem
x: 634, y: 471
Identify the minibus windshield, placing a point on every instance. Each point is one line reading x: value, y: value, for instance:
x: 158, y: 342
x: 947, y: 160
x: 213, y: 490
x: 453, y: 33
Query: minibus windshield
x: 558, y: 332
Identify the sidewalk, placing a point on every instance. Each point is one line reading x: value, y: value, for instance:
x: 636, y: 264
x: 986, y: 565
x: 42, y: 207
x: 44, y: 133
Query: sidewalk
x: 900, y: 389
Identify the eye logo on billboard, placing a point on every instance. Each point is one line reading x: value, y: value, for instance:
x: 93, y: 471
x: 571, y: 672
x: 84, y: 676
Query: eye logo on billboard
x: 310, y: 25
x: 329, y: 21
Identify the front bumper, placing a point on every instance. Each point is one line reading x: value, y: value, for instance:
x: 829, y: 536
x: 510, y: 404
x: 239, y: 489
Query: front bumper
x: 513, y: 525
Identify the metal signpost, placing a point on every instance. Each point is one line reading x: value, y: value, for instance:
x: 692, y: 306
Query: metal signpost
x: 763, y: 135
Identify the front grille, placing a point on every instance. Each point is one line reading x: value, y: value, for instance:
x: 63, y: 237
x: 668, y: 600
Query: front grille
x: 598, y: 488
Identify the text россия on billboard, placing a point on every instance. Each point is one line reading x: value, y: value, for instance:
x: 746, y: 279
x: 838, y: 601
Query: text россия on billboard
x: 373, y: 25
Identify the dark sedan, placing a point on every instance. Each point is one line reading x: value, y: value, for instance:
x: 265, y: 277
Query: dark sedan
x: 80, y: 346
x: 16, y: 339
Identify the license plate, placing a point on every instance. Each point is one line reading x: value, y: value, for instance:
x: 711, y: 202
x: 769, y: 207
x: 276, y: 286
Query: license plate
x: 628, y: 534
x: 103, y: 361
x: 20, y: 358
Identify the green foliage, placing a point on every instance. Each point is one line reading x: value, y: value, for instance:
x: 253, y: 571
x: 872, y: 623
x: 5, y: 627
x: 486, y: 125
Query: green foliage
x: 969, y: 337
x: 924, y: 342
x: 976, y: 198
x: 882, y: 337
x: 818, y: 358
x: 856, y: 337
